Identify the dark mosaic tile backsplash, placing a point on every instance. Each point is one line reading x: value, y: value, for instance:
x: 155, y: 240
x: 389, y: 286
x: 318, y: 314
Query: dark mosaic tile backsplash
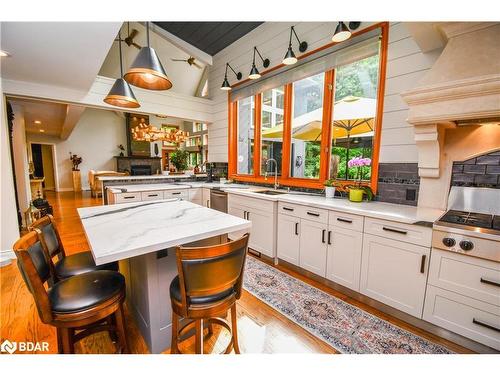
x: 398, y: 183
x: 481, y: 171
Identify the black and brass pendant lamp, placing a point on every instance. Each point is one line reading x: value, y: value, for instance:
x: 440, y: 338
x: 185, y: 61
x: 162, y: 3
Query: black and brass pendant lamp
x: 254, y: 72
x: 290, y: 57
x: 121, y: 95
x: 146, y: 71
x: 342, y: 32
x: 225, y: 84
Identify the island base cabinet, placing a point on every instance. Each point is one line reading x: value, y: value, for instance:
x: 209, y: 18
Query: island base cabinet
x: 313, y: 243
x: 288, y: 239
x: 344, y: 257
x: 394, y: 273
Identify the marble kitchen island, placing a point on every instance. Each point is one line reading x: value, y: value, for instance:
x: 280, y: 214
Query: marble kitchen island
x: 142, y: 236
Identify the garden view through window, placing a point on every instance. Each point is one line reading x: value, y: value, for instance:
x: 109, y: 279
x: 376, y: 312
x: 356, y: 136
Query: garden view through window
x: 273, y: 102
x: 245, y: 135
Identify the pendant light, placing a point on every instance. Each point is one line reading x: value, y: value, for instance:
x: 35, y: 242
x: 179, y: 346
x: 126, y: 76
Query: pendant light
x: 290, y: 58
x: 254, y: 73
x: 146, y: 71
x: 225, y: 84
x: 341, y: 33
x: 121, y: 95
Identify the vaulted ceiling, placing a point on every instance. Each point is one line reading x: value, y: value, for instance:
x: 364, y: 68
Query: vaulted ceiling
x: 210, y: 37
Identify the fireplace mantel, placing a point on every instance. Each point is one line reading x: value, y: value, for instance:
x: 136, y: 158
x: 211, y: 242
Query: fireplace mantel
x: 124, y: 163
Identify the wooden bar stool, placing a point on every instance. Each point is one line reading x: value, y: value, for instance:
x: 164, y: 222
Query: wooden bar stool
x: 87, y: 303
x: 66, y: 265
x: 208, y: 285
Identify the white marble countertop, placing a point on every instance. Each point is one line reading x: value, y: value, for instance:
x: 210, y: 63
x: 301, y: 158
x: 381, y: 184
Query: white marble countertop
x: 132, y: 188
x: 126, y: 230
x: 149, y: 177
x: 388, y: 211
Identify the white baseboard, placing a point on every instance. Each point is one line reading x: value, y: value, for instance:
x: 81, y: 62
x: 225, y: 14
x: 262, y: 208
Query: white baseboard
x: 6, y: 257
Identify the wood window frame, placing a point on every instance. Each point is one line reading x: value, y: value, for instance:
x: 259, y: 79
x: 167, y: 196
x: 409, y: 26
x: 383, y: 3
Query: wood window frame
x: 328, y: 108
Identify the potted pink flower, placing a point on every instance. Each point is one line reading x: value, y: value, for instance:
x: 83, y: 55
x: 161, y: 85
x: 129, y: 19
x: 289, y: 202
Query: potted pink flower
x: 357, y: 191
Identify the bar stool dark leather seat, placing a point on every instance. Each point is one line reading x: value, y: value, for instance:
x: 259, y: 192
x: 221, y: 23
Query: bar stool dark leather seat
x: 67, y: 265
x: 208, y: 285
x: 87, y: 303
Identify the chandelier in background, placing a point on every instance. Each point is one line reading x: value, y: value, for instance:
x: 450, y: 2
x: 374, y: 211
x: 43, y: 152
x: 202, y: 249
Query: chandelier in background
x: 149, y: 133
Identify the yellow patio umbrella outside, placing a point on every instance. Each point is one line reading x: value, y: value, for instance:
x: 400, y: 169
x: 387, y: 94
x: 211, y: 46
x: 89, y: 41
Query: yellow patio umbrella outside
x: 351, y: 116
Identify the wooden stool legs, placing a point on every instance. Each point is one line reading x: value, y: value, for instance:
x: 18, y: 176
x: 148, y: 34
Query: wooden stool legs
x: 234, y: 329
x: 120, y: 329
x: 199, y: 325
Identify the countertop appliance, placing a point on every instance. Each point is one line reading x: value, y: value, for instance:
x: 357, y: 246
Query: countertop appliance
x: 218, y: 200
x: 471, y: 226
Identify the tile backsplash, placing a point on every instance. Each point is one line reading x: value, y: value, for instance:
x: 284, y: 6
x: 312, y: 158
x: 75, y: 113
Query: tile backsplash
x: 481, y: 171
x: 398, y: 183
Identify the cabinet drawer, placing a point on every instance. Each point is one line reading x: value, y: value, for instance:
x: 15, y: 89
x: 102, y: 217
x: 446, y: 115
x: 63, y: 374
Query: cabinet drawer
x: 152, y: 195
x: 473, y: 277
x: 127, y: 197
x: 346, y: 221
x: 253, y: 203
x: 468, y: 317
x: 182, y: 194
x: 288, y: 209
x: 416, y: 234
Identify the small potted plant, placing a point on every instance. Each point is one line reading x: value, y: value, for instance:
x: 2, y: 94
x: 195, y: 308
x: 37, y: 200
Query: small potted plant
x: 357, y: 191
x: 330, y: 186
x: 121, y: 148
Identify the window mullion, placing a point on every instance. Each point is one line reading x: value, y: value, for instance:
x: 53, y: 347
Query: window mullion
x: 257, y: 134
x: 328, y: 93
x: 287, y: 134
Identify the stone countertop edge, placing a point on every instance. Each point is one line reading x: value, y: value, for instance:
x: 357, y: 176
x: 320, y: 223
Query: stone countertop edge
x: 378, y: 210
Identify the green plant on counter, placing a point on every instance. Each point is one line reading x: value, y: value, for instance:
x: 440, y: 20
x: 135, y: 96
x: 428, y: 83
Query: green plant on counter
x: 180, y: 160
x: 332, y: 183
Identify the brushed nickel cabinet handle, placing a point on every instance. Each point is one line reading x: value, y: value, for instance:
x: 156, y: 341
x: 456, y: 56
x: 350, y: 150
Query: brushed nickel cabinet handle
x: 395, y: 230
x: 344, y: 220
x: 487, y: 325
x: 422, y: 264
x: 484, y: 280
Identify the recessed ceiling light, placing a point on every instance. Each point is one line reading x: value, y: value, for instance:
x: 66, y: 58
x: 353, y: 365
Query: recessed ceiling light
x: 42, y: 131
x: 4, y: 53
x: 38, y: 122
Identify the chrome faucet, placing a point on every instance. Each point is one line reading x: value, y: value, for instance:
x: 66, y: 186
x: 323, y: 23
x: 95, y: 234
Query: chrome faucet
x: 276, y: 185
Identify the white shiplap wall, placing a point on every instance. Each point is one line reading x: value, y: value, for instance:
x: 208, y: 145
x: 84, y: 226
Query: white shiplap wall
x: 406, y: 65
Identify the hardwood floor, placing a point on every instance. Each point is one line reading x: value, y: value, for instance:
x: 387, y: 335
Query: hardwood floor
x: 261, y: 329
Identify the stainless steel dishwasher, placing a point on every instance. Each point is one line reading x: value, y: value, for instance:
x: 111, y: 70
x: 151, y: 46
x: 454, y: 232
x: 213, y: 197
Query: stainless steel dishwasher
x: 218, y: 200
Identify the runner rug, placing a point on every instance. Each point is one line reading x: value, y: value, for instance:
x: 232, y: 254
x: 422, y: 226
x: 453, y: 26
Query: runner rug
x: 345, y: 327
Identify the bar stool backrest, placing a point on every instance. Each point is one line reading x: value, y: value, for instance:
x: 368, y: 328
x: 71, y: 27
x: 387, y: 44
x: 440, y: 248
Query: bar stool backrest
x: 35, y: 269
x: 207, y: 271
x: 50, y: 235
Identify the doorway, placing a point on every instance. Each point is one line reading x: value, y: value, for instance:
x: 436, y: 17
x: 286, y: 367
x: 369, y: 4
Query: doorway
x: 42, y: 157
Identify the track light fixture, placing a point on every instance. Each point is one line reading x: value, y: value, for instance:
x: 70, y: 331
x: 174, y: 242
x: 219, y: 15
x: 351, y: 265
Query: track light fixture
x: 342, y: 32
x: 146, y: 71
x: 121, y: 95
x: 254, y: 73
x: 290, y: 58
x: 225, y: 84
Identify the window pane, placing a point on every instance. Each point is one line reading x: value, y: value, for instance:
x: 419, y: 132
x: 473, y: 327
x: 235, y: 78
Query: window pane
x: 272, y: 129
x: 245, y: 135
x: 307, y: 120
x: 355, y: 103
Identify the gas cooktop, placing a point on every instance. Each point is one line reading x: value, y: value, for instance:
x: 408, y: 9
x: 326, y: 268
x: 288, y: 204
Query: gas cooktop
x: 471, y: 219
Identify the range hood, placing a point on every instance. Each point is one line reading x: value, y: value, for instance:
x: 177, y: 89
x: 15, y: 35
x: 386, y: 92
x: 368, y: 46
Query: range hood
x: 461, y: 88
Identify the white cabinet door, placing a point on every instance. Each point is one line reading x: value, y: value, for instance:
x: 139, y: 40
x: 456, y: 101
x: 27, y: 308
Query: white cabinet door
x: 344, y: 257
x: 288, y: 239
x: 261, y: 234
x: 196, y: 195
x: 313, y: 237
x: 238, y: 212
x: 205, y: 197
x: 395, y: 273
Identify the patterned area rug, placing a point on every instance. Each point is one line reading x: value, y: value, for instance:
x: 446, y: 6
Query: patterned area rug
x: 343, y: 326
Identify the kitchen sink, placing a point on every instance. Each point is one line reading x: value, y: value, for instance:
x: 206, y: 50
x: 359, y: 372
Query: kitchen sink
x: 271, y: 192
